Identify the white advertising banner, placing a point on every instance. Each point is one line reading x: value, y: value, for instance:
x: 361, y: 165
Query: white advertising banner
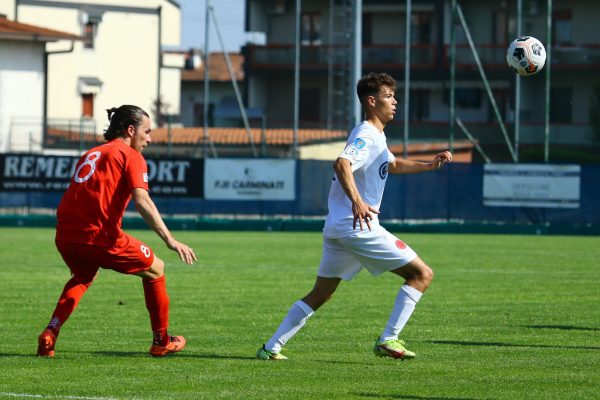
x: 249, y: 179
x: 531, y: 185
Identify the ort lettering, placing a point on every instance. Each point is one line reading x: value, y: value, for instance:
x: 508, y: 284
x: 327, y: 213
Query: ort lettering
x: 167, y: 171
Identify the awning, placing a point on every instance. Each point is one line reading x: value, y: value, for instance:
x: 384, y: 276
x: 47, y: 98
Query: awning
x: 89, y: 85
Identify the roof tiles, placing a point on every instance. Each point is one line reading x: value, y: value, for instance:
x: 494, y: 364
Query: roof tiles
x: 17, y: 30
x: 239, y: 136
x: 217, y: 68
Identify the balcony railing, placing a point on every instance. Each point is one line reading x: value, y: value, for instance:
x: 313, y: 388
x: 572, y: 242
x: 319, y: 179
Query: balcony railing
x: 423, y: 57
x: 31, y: 134
x: 318, y: 57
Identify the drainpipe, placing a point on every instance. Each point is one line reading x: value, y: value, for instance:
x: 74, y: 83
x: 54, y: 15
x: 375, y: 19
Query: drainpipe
x: 45, y: 107
x: 159, y: 65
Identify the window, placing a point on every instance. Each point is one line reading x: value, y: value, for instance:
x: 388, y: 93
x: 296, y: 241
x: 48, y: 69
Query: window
x: 311, y: 29
x: 500, y: 28
x: 367, y: 29
x: 87, y: 102
x: 199, y: 114
x: 562, y: 26
x: 419, y: 104
x: 309, y: 105
x: 561, y: 106
x: 421, y: 27
x: 504, y: 27
x: 89, y: 32
x: 90, y: 19
x: 464, y: 97
x: 503, y: 100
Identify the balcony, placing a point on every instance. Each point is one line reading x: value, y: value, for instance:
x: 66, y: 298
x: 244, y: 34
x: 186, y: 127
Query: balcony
x: 317, y: 58
x: 493, y: 57
x: 424, y: 57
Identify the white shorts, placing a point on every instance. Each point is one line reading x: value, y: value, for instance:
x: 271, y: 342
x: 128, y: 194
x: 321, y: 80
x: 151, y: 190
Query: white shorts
x: 378, y: 251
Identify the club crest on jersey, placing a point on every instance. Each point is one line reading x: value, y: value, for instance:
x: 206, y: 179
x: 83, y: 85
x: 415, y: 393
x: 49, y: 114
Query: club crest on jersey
x: 383, y: 170
x: 359, y: 143
x: 145, y: 176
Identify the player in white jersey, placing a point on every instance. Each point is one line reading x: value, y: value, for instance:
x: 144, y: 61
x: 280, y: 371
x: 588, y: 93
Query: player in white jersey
x: 352, y: 236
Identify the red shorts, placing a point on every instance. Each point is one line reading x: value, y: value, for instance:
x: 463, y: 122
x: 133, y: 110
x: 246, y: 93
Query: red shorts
x: 128, y: 256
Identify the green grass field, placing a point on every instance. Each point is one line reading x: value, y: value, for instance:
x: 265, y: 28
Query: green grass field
x: 507, y: 317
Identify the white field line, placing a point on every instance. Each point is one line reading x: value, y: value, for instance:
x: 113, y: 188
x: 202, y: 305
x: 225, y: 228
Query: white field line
x: 44, y: 396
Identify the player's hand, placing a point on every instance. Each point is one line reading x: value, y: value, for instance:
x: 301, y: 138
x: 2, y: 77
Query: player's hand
x: 363, y: 212
x: 441, y: 159
x: 186, y: 253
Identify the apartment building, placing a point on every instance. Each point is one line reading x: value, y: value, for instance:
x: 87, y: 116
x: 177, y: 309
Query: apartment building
x: 326, y: 29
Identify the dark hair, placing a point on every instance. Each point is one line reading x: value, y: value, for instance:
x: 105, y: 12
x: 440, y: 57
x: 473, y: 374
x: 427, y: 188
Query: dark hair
x: 120, y: 119
x: 370, y: 84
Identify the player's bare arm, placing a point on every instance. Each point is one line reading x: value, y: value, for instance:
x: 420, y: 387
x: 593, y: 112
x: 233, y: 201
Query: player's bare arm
x: 403, y: 166
x: 147, y: 209
x: 361, y: 210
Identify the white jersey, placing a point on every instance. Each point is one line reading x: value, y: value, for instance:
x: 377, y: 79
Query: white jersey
x: 367, y: 151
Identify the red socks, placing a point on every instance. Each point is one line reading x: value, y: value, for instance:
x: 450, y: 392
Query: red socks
x: 67, y: 302
x: 157, y: 303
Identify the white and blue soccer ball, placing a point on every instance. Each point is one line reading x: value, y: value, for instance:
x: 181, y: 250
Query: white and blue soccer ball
x: 526, y: 55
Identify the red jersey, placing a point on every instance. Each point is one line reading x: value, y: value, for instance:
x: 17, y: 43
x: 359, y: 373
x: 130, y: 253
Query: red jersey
x: 92, y: 208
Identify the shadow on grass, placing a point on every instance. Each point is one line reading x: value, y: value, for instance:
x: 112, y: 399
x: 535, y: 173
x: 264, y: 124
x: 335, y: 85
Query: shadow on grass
x: 343, y: 362
x: 178, y: 355
x: 562, y: 327
x: 32, y: 355
x: 119, y: 353
x: 500, y: 344
x: 406, y: 396
x: 219, y: 356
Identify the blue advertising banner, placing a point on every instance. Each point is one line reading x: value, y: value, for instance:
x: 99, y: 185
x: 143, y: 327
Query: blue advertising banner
x: 51, y: 173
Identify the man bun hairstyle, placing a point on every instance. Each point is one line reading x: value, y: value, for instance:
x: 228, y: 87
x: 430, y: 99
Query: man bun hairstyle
x: 120, y: 118
x: 370, y: 84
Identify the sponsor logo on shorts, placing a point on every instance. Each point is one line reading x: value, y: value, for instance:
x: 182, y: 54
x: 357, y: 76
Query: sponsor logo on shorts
x: 400, y: 244
x: 383, y: 170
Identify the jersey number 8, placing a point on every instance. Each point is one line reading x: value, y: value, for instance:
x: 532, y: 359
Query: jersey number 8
x: 90, y: 160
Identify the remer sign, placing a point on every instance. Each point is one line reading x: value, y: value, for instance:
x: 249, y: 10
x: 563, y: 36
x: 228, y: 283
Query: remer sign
x: 26, y: 172
x: 28, y: 166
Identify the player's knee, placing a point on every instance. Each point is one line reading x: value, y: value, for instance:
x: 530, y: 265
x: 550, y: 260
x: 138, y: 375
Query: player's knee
x: 427, y: 274
x: 424, y: 277
x: 315, y: 299
x: 157, y: 269
x: 86, y: 280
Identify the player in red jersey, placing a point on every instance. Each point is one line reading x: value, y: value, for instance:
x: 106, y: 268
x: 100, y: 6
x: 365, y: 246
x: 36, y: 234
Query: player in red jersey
x: 89, y: 234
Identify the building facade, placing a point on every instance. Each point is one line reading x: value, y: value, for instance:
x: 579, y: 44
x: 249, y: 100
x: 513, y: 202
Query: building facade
x: 22, y: 82
x: 325, y: 61
x: 117, y: 61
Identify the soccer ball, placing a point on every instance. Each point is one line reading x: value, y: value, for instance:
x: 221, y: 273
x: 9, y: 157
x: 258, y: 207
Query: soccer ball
x: 526, y: 55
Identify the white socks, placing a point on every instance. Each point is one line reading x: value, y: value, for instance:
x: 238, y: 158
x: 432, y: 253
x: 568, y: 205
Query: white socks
x: 300, y: 312
x: 405, y: 303
x: 295, y: 319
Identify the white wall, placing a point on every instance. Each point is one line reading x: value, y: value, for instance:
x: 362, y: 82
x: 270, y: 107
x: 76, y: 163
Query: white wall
x: 21, y: 90
x: 124, y: 58
x: 7, y: 7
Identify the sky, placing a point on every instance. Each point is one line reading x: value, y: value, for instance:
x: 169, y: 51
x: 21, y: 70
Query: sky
x: 230, y: 17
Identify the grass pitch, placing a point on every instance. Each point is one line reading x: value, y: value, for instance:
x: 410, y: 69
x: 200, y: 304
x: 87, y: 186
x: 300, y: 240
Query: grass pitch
x: 507, y: 317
